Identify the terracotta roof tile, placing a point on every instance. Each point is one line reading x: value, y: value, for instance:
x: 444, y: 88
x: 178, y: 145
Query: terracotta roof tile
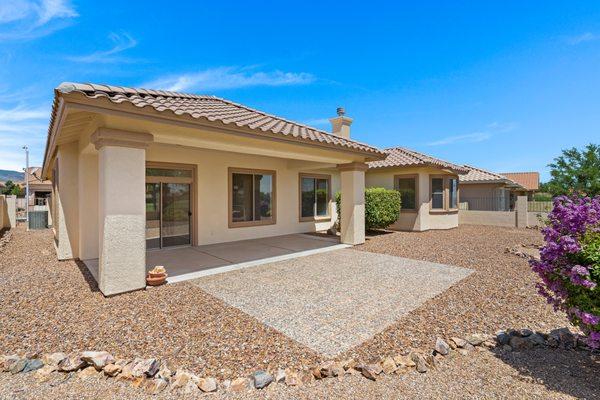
x: 478, y: 175
x: 210, y: 108
x: 529, y: 180
x: 403, y: 157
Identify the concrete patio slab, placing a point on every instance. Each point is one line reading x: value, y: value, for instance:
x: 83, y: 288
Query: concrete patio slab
x: 333, y: 301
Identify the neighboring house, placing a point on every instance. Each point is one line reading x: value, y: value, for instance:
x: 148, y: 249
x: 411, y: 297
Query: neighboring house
x: 530, y: 181
x: 429, y: 188
x: 40, y: 189
x: 482, y: 190
x: 139, y: 169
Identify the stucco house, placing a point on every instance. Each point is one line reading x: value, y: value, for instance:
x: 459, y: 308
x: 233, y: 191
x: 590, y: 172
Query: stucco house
x: 39, y: 189
x: 530, y: 181
x: 482, y: 190
x: 136, y: 169
x: 429, y: 188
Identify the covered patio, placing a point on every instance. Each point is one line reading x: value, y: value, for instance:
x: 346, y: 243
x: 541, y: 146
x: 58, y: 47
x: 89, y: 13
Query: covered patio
x: 191, y: 262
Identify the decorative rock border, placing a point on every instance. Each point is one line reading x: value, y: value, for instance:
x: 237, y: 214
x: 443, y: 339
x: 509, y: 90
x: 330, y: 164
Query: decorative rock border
x: 154, y: 376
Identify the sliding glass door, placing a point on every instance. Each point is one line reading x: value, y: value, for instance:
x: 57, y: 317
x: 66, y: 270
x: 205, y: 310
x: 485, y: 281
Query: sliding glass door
x: 168, y: 207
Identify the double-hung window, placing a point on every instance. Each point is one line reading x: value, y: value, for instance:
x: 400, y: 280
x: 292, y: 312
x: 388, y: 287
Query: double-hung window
x: 251, y: 197
x: 444, y: 193
x: 407, y: 186
x: 315, y: 192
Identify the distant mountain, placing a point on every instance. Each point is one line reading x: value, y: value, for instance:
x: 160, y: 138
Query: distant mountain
x: 7, y: 175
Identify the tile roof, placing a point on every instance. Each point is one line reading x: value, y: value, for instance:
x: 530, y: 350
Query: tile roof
x: 478, y: 175
x: 211, y: 108
x: 529, y: 180
x: 403, y: 157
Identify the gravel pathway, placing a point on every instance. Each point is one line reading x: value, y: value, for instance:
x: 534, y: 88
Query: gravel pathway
x: 333, y: 301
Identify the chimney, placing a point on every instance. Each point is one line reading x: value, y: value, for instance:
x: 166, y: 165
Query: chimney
x: 340, y: 125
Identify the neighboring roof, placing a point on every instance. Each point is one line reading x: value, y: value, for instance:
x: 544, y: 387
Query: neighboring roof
x: 209, y: 108
x: 403, y: 157
x: 34, y: 176
x: 529, y: 180
x: 478, y: 175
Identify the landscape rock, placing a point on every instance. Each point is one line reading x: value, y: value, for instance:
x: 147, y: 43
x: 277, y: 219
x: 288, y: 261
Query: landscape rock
x: 519, y: 343
x: 145, y: 368
x: 154, y: 386
x: 97, y: 359
x: 33, y: 365
x: 112, y: 370
x: 442, y: 347
x: 389, y: 365
x: 44, y: 373
x: 349, y: 364
x: 18, y: 366
x: 240, y: 385
x: 370, y: 371
x: 280, y: 376
x: 525, y: 332
x: 475, y: 339
x: 71, y: 363
x: 502, y: 337
x: 53, y: 358
x: 420, y: 362
x: 88, y: 373
x: 292, y: 378
x: 262, y: 379
x: 8, y: 361
x: 537, y: 339
x: 460, y: 343
x: 207, y: 385
x: 404, y: 361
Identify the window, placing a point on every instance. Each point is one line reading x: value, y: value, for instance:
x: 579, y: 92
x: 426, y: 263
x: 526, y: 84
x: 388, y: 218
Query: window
x: 437, y: 193
x: 444, y: 193
x: 453, y: 193
x: 314, y: 197
x: 407, y: 186
x: 252, y: 197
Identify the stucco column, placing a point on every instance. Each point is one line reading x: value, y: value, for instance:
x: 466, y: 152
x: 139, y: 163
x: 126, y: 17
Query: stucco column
x: 521, y: 208
x: 121, y: 209
x: 353, y: 203
x: 67, y: 204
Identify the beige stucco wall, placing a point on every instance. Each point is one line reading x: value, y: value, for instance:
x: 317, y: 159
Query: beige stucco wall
x: 67, y: 224
x: 495, y: 218
x: 211, y: 195
x: 424, y: 219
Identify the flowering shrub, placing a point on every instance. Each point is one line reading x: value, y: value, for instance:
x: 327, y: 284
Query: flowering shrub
x: 570, y: 262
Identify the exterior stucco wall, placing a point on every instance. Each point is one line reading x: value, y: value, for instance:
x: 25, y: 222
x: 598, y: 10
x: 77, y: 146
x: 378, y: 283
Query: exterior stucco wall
x: 496, y: 218
x: 67, y: 203
x: 212, y: 192
x: 423, y: 219
x: 88, y: 201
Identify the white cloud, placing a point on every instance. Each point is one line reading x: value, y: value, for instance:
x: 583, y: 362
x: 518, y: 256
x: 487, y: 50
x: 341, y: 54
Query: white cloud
x: 29, y: 19
x: 468, y: 138
x: 121, y: 42
x: 228, y: 78
x: 22, y: 126
x: 475, y: 137
x: 584, y: 37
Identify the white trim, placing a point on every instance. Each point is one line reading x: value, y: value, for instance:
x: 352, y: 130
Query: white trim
x: 248, y: 264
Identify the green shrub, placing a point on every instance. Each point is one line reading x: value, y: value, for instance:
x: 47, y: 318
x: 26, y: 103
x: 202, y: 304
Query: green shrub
x: 382, y: 207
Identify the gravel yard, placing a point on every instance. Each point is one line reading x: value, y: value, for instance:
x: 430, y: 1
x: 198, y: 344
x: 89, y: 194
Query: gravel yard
x: 55, y: 306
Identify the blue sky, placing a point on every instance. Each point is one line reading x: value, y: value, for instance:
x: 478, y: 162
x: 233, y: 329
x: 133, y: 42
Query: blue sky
x: 503, y: 86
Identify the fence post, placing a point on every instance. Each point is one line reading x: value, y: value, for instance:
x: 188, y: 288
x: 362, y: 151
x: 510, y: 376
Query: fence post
x: 521, y: 208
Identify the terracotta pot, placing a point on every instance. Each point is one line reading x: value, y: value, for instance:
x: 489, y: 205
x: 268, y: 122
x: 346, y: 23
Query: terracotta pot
x: 156, y: 281
x: 159, y: 275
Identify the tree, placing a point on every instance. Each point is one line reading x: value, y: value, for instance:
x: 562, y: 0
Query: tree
x: 11, y: 188
x: 576, y: 171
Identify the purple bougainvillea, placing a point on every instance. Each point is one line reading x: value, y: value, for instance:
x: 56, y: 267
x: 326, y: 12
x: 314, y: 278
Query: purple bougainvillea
x: 569, y: 264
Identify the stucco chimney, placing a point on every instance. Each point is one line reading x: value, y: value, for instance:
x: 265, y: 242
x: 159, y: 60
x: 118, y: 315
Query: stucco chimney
x: 340, y: 125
